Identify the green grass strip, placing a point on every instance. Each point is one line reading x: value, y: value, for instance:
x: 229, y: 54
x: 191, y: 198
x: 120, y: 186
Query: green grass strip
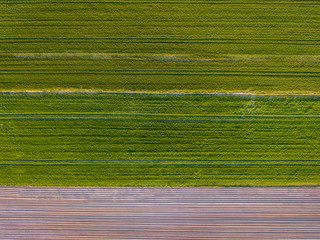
x: 158, y: 140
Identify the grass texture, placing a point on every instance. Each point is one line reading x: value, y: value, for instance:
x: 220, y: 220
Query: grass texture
x: 160, y: 45
x: 196, y: 46
x: 158, y: 140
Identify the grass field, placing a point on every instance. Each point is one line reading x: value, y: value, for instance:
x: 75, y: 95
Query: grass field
x: 159, y: 140
x: 159, y: 46
x: 151, y: 45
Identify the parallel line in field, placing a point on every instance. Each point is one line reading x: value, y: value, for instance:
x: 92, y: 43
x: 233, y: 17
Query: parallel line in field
x: 157, y: 38
x: 159, y: 115
x: 160, y: 165
x: 164, y: 2
x: 154, y: 23
x: 154, y: 74
x: 242, y: 94
x: 156, y: 160
x: 159, y: 213
x: 173, y: 42
x: 156, y: 70
x: 162, y: 72
x: 159, y: 120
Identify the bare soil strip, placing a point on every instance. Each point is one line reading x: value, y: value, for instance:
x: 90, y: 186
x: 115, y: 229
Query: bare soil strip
x: 234, y: 93
x: 159, y: 213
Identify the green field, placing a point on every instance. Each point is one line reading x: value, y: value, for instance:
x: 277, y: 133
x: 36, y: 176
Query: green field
x: 159, y: 140
x: 160, y: 45
x: 117, y: 49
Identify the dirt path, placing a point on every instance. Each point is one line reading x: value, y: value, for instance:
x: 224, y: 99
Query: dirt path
x: 159, y: 213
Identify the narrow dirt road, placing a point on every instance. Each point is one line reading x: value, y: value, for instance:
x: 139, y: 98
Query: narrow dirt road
x: 159, y: 213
